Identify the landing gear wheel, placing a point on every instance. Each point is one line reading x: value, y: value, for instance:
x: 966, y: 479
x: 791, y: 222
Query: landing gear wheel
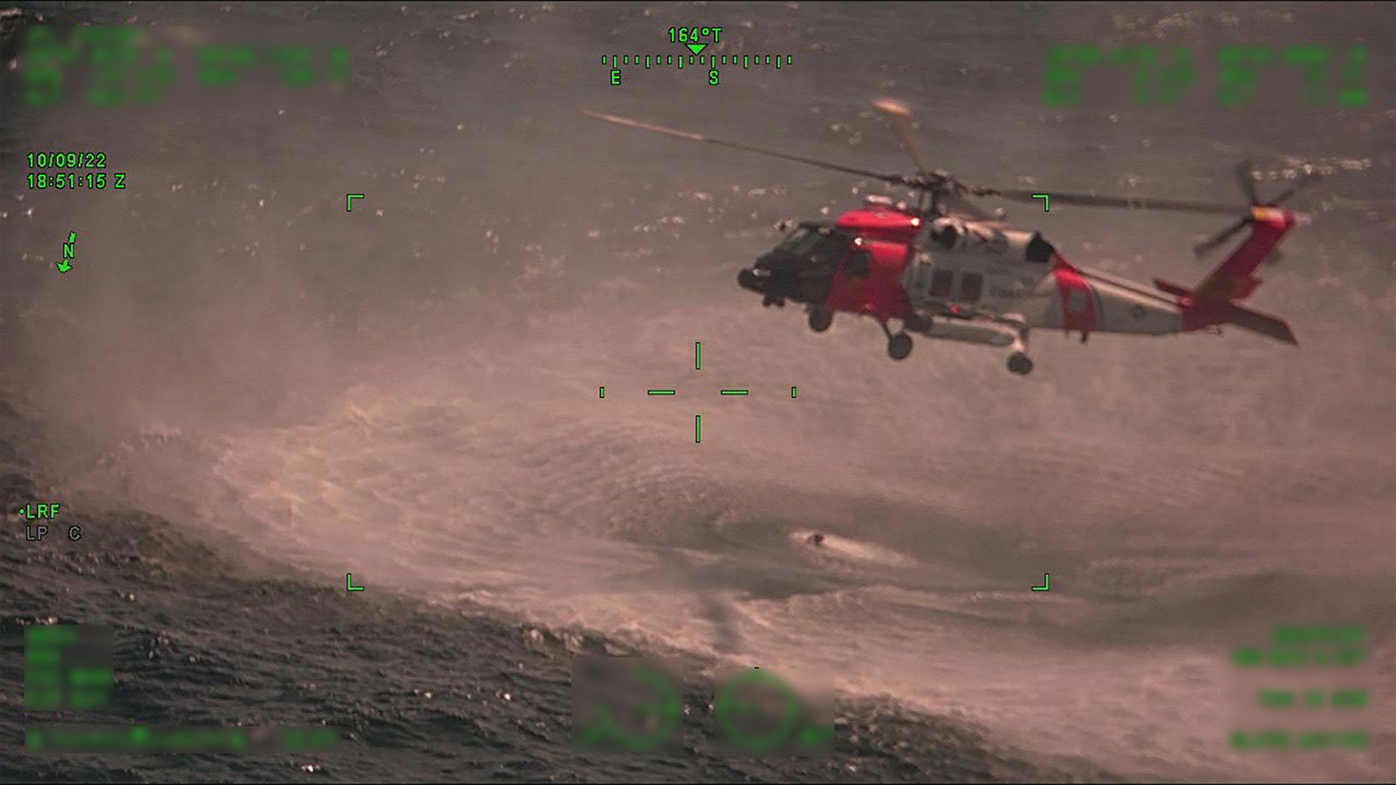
x: 820, y: 319
x: 899, y: 346
x: 1019, y: 363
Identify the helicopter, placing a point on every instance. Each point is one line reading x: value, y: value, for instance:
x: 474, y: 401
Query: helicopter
x: 946, y: 269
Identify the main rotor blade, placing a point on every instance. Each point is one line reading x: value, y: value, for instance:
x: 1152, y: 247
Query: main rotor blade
x: 610, y: 118
x: 1129, y: 202
x: 963, y: 206
x: 1245, y: 175
x: 1206, y: 246
x: 1307, y: 180
x: 900, y: 116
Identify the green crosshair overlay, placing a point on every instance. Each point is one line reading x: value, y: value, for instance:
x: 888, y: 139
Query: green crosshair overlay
x: 673, y: 393
x: 728, y: 706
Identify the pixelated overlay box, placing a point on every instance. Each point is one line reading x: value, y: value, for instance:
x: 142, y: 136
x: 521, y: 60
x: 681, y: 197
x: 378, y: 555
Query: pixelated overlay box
x: 1308, y: 688
x: 67, y: 666
x: 115, y: 66
x: 636, y: 704
x: 772, y: 711
x: 627, y: 704
x: 178, y: 739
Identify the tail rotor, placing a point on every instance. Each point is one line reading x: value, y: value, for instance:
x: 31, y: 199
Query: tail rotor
x: 1246, y: 177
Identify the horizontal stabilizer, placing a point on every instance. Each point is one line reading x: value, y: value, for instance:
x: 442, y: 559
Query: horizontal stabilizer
x: 1257, y: 322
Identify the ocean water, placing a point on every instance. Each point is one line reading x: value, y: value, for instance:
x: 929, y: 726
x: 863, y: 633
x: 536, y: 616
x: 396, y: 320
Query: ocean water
x: 243, y: 392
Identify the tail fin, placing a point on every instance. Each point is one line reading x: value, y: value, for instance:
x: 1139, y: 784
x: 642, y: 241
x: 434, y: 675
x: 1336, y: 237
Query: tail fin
x: 1214, y: 300
x: 1234, y: 279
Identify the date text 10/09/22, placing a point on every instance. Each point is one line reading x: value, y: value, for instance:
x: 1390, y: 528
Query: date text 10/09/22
x: 123, y: 67
x: 1161, y: 75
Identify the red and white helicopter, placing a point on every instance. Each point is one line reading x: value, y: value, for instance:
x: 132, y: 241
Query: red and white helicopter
x: 946, y: 269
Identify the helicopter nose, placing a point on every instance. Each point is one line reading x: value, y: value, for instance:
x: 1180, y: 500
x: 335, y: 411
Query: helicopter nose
x: 748, y: 279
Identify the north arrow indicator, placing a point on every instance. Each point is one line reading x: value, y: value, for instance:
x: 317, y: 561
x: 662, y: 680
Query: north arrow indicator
x: 69, y: 252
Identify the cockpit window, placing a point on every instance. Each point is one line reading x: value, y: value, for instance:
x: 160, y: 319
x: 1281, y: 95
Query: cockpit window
x: 859, y: 264
x: 801, y: 242
x: 822, y: 248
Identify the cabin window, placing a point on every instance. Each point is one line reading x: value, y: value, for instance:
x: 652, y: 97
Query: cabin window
x: 941, y: 282
x: 819, y: 247
x: 971, y: 286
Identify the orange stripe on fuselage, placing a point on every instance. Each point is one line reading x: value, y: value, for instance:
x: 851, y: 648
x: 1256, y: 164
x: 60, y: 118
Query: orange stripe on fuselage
x: 1078, y: 299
